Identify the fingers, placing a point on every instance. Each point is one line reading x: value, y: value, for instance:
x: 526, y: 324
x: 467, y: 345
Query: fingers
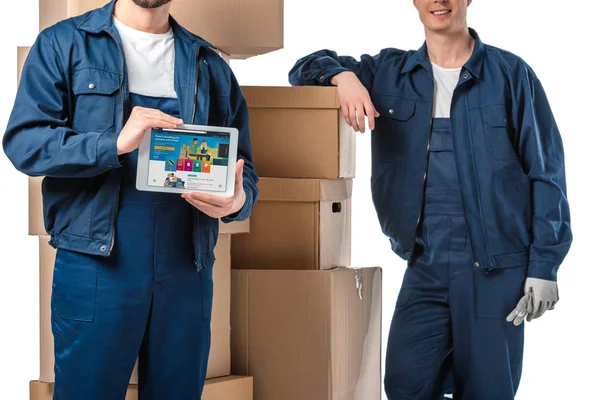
x: 207, y: 208
x: 156, y: 117
x: 219, y: 201
x: 371, y: 112
x: 346, y: 112
x: 360, y: 116
x: 239, y: 171
x: 543, y: 309
x: 520, y: 312
x: 352, y: 115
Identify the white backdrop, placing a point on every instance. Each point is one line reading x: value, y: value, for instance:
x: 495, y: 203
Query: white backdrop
x: 562, y: 349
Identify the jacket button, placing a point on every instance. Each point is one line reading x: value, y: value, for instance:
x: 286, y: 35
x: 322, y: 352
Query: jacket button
x: 466, y: 76
x: 205, y: 62
x: 92, y: 86
x: 391, y: 111
x: 477, y: 264
x: 103, y: 248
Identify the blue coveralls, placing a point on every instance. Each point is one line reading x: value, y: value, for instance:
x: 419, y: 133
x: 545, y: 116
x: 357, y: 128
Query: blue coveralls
x: 449, y: 333
x: 149, y: 299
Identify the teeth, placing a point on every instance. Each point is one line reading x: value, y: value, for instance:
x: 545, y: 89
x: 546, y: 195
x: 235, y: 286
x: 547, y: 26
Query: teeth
x: 441, y: 12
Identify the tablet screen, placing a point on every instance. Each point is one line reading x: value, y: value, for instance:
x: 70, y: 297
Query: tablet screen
x: 190, y: 160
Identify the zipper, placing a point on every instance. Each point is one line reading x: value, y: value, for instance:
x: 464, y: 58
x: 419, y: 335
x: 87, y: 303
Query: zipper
x: 114, y: 227
x: 197, y: 262
x: 485, y: 238
x: 196, y: 85
x: 423, y: 187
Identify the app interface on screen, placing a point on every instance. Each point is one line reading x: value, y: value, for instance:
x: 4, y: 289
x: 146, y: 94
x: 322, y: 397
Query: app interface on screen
x: 194, y: 161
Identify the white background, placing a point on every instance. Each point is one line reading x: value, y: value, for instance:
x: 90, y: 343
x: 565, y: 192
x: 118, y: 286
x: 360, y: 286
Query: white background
x: 558, y: 39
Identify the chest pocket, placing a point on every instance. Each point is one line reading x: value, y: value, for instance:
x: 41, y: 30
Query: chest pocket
x: 393, y: 127
x: 96, y: 93
x: 496, y: 131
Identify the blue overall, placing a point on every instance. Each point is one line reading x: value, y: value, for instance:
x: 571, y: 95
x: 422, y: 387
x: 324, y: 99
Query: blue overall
x: 146, y: 298
x: 449, y: 333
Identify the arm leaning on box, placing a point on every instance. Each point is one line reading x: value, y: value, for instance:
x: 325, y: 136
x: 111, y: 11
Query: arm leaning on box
x: 318, y: 68
x: 238, y: 118
x: 38, y: 140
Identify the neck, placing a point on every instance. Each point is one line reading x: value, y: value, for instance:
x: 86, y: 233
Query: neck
x: 449, y: 50
x: 150, y: 20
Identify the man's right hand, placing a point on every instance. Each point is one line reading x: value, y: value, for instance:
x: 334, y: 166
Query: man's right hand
x: 140, y: 120
x: 355, y: 101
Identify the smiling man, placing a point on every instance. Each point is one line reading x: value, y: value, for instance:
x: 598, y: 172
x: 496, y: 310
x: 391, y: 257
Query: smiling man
x: 468, y: 181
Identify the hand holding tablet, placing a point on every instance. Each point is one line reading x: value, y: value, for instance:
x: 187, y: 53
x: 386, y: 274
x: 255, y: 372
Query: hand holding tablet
x: 218, y: 206
x: 137, y: 125
x: 189, y: 158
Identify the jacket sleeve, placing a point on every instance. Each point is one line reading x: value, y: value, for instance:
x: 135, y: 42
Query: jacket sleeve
x: 38, y: 140
x: 318, y: 68
x: 238, y: 118
x: 543, y: 160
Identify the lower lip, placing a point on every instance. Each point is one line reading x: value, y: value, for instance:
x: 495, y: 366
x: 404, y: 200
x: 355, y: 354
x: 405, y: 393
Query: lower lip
x: 442, y: 16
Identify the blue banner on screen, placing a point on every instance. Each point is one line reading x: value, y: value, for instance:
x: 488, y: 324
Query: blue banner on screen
x: 194, y: 161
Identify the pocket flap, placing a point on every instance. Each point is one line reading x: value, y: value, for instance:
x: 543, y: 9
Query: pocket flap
x: 394, y: 107
x: 95, y: 81
x: 494, y: 115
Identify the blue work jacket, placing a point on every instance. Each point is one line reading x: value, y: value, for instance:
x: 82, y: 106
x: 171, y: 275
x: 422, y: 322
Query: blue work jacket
x: 71, y: 104
x: 508, y: 149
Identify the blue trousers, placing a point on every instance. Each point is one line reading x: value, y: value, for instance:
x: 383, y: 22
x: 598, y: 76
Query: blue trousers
x: 146, y: 298
x: 448, y: 333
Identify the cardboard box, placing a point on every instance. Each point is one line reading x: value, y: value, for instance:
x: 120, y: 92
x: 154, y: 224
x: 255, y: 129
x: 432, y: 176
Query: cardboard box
x: 226, y: 388
x: 308, y: 334
x: 240, y: 28
x: 36, y: 218
x: 300, y: 132
x: 219, y: 362
x: 297, y: 224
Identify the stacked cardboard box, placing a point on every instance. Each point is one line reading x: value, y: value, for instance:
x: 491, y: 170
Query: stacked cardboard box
x: 225, y: 388
x: 238, y: 31
x: 303, y: 324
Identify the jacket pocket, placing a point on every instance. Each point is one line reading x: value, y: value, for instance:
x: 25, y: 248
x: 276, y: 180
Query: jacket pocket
x: 390, y: 139
x: 499, y: 290
x: 74, y: 286
x: 95, y: 94
x: 496, y: 131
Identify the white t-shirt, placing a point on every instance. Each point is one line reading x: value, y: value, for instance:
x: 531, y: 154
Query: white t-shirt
x: 445, y: 81
x: 150, y: 61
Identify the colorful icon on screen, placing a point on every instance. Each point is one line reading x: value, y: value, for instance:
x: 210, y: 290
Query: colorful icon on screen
x: 170, y: 166
x: 197, y: 166
x: 188, y: 165
x: 180, y: 162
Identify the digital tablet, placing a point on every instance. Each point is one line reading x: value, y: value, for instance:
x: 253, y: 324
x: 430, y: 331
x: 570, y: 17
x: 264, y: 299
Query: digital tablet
x: 189, y: 158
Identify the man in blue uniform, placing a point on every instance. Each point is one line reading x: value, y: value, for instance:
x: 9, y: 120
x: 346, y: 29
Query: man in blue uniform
x: 133, y: 272
x: 468, y: 181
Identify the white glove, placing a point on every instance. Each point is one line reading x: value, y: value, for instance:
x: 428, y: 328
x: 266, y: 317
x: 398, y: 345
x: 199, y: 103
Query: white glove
x: 540, y: 295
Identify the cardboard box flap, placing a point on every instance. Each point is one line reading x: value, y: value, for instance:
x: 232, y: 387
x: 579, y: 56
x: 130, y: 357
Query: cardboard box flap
x: 291, y: 97
x: 304, y: 190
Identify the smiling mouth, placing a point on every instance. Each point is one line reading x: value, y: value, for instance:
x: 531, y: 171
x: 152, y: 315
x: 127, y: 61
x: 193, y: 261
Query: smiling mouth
x: 441, y: 12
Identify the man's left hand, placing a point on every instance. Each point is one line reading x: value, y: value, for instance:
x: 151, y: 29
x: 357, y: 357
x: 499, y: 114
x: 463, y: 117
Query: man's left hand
x: 540, y: 296
x: 219, y: 206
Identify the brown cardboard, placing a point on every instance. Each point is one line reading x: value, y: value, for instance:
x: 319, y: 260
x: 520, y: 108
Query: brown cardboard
x: 308, y: 334
x: 36, y: 219
x: 226, y: 388
x: 219, y: 362
x: 240, y: 28
x: 300, y: 132
x: 297, y: 224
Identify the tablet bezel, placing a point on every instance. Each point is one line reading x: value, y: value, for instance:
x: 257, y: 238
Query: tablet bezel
x: 191, y: 130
